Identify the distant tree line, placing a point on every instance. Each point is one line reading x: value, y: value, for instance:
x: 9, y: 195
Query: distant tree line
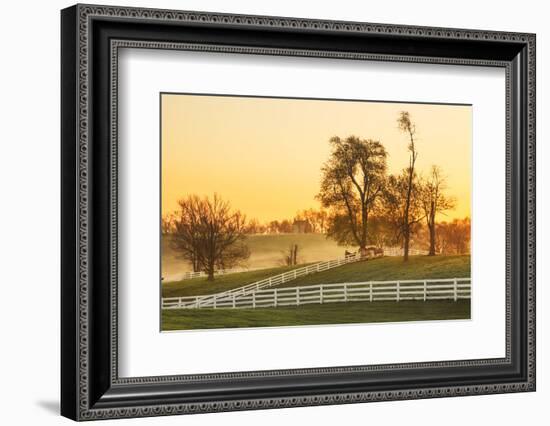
x: 305, y: 221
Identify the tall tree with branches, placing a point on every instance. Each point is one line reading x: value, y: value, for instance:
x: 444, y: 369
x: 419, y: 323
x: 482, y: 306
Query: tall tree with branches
x: 352, y: 180
x: 405, y: 125
x: 401, y: 207
x: 209, y: 234
x: 434, y: 201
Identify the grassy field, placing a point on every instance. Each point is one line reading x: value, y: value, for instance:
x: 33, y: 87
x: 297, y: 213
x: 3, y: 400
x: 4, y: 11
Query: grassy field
x: 333, y: 313
x: 390, y: 268
x: 266, y: 251
x: 199, y: 286
x: 386, y: 268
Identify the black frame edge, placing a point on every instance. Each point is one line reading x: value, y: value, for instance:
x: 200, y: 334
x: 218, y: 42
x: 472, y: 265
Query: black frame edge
x: 69, y: 318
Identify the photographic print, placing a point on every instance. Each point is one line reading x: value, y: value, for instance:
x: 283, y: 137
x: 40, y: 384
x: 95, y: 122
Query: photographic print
x: 250, y: 183
x: 294, y: 211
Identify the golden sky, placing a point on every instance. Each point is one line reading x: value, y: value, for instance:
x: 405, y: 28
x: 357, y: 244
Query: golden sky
x: 265, y: 155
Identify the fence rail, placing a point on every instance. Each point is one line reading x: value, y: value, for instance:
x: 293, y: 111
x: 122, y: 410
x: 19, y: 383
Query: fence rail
x: 208, y: 300
x: 372, y: 291
x: 398, y: 251
x: 201, y: 274
x: 388, y: 251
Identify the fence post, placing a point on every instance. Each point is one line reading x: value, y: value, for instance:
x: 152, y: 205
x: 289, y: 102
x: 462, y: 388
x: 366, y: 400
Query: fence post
x: 455, y: 290
x: 295, y: 274
x: 215, y: 298
x: 425, y: 290
x: 397, y: 294
x: 233, y: 301
x: 197, y: 302
x: 370, y: 291
x: 317, y: 267
x: 345, y: 292
x: 297, y: 296
x: 321, y: 294
x: 275, y: 297
x: 254, y: 300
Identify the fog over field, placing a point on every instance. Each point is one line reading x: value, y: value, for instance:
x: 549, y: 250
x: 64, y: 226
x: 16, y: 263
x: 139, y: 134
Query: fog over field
x: 266, y: 251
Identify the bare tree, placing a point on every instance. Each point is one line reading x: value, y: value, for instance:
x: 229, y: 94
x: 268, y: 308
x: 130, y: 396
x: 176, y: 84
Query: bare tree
x: 353, y: 178
x: 407, y: 126
x: 434, y: 201
x: 290, y: 257
x: 209, y: 234
x: 401, y: 208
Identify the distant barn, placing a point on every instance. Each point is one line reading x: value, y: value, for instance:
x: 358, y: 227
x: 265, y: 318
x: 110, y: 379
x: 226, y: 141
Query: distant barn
x: 301, y: 227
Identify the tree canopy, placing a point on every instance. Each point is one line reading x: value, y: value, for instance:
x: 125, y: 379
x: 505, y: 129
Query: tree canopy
x: 352, y: 181
x: 209, y: 234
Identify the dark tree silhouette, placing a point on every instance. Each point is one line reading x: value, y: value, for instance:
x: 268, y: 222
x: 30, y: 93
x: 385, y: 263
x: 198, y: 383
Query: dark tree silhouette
x: 290, y: 257
x: 401, y: 207
x: 407, y: 126
x: 434, y: 201
x: 352, y: 180
x: 209, y: 234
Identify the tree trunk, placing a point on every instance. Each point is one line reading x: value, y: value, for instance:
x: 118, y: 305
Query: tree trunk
x: 406, y: 244
x: 210, y: 271
x: 432, y: 240
x: 195, y: 264
x: 407, y: 230
x: 364, y: 220
x: 408, y: 201
x: 431, y: 227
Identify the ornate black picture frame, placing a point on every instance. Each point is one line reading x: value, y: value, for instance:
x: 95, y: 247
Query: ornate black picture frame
x: 91, y: 387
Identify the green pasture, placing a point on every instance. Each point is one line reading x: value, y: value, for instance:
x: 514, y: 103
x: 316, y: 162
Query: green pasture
x: 200, y: 286
x: 331, y: 313
x: 390, y: 269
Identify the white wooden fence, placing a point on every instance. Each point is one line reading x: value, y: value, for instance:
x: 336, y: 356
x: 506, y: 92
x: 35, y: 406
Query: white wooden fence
x: 388, y: 251
x: 201, y: 274
x: 398, y: 251
x: 372, y: 291
x: 209, y: 299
